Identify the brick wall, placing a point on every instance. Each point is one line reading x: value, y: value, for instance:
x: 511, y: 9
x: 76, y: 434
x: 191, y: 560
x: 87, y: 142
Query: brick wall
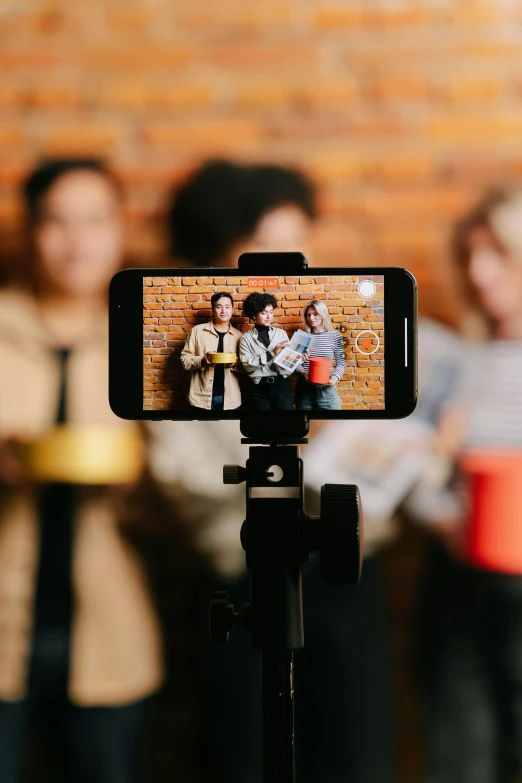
x: 173, y: 305
x: 401, y: 109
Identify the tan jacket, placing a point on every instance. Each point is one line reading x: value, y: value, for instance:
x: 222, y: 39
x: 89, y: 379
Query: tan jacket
x: 252, y: 353
x: 116, y: 655
x: 202, y: 339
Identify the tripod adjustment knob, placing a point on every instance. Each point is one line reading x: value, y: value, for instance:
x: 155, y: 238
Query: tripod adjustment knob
x: 221, y: 617
x: 342, y: 534
x: 234, y: 474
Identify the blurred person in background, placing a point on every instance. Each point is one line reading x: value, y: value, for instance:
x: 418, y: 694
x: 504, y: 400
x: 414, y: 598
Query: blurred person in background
x: 343, y: 686
x: 385, y: 459
x: 225, y: 208
x: 80, y: 648
x: 470, y: 614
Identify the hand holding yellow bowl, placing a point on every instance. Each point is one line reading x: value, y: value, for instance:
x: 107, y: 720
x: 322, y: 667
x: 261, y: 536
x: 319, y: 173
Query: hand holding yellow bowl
x: 85, y: 454
x: 222, y: 358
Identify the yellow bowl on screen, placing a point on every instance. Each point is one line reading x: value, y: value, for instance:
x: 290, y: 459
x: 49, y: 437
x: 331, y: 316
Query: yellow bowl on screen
x: 222, y: 358
x: 82, y: 454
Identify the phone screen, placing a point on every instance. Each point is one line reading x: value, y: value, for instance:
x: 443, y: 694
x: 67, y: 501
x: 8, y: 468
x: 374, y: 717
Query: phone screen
x: 310, y: 342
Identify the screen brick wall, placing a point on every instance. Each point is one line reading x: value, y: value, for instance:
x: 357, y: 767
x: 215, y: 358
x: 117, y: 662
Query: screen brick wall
x: 173, y: 305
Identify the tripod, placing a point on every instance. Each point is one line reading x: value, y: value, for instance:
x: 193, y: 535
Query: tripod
x: 278, y: 536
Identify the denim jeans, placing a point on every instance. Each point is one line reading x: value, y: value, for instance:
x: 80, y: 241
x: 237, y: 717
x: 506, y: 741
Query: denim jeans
x: 316, y: 396
x: 217, y: 402
x: 85, y: 744
x: 272, y: 394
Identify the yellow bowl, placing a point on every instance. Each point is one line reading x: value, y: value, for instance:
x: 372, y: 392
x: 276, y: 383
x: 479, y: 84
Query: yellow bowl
x: 82, y: 454
x: 222, y: 358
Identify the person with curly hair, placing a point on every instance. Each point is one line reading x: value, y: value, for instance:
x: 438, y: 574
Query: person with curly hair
x: 257, y: 350
x: 226, y: 207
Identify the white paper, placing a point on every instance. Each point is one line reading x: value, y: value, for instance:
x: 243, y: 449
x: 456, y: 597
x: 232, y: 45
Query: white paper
x: 291, y: 357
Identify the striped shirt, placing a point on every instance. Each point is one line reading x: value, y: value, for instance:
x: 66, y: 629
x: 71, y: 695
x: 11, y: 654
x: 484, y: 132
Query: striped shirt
x: 328, y: 345
x: 491, y: 395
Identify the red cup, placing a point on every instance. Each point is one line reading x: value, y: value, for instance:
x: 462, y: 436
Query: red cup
x: 494, y: 533
x: 319, y: 370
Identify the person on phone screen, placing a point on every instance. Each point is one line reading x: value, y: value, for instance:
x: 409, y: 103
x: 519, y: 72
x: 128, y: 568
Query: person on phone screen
x: 327, y: 344
x: 257, y: 351
x: 213, y: 386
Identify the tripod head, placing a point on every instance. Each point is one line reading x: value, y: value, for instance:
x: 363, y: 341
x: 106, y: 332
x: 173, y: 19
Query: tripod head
x: 277, y: 534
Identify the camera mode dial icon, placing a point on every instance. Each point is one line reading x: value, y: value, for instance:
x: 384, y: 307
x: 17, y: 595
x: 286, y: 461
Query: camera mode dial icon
x: 367, y: 341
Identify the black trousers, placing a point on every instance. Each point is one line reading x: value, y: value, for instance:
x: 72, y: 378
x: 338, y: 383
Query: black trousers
x: 470, y: 668
x: 271, y: 394
x: 344, y: 712
x: 83, y: 744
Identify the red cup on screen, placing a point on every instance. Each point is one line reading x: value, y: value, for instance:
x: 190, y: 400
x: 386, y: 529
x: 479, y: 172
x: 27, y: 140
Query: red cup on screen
x: 319, y: 370
x: 494, y: 534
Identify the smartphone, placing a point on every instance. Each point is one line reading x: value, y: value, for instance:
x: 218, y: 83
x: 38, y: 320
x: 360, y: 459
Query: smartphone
x: 335, y: 343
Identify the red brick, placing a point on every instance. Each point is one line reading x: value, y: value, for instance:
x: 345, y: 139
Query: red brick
x: 476, y: 129
x: 321, y: 94
x: 243, y: 55
x: 337, y: 17
x: 11, y: 137
x: 471, y: 14
x: 139, y: 94
x: 207, y: 134
x: 400, y: 88
x: 459, y: 90
x: 32, y: 58
x: 138, y: 57
x: 9, y: 95
x: 233, y: 19
x: 179, y: 96
x: 376, y: 124
x: 402, y: 203
x: 401, y: 169
x: 51, y: 97
x: 81, y: 139
x: 269, y: 94
x: 122, y: 20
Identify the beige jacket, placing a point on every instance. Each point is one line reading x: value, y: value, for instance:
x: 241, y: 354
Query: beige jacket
x: 116, y: 655
x: 252, y: 353
x: 202, y: 339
